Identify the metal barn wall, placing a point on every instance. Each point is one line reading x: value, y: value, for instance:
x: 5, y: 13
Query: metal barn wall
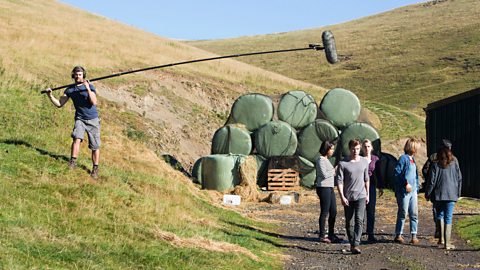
x: 458, y: 119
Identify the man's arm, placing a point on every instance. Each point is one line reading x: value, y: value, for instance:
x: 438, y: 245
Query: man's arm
x: 367, y: 183
x: 58, y: 103
x: 339, y: 182
x: 92, y: 97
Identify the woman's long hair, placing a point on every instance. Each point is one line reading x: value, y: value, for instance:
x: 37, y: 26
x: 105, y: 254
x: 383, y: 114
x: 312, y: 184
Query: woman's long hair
x: 444, y: 157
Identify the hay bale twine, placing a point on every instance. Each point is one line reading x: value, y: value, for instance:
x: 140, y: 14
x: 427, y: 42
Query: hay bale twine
x: 341, y: 107
x: 247, y: 188
x: 220, y: 172
x: 297, y: 108
x: 360, y: 131
x: 232, y: 139
x: 275, y: 138
x: 312, y: 137
x: 252, y: 110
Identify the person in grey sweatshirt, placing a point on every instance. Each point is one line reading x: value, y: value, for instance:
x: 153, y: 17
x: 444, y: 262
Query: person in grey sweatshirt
x: 444, y: 189
x: 353, y: 186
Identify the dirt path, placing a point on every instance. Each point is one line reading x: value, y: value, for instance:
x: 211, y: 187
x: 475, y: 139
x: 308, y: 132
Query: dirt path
x: 300, y: 229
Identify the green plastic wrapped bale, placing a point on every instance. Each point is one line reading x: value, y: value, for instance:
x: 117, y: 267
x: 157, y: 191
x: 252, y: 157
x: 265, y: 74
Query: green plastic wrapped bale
x: 197, y: 171
x: 341, y: 107
x: 297, y: 108
x: 232, y: 139
x: 359, y: 131
x: 387, y: 169
x: 221, y: 172
x: 312, y: 137
x: 276, y: 138
x: 308, y: 180
x: 262, y: 169
x: 305, y: 166
x: 252, y: 110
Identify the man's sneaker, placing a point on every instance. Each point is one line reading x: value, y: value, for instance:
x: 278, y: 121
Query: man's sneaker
x: 399, y: 239
x: 72, y: 164
x: 94, y: 173
x: 335, y: 239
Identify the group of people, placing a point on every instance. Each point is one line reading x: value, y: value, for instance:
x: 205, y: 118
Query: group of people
x: 357, y: 178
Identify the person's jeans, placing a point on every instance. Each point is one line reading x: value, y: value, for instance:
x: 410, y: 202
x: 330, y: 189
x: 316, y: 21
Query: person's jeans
x: 372, y: 201
x: 328, y: 206
x: 444, y: 210
x: 407, y: 202
x: 354, y: 227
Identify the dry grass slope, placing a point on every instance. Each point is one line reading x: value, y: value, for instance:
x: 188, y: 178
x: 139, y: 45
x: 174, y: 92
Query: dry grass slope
x: 407, y: 57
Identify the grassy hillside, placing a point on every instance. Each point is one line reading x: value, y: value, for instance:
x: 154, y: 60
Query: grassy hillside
x: 142, y: 214
x: 43, y: 40
x: 405, y: 58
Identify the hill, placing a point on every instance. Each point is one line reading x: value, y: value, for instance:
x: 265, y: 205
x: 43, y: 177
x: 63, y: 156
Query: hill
x: 142, y: 214
x: 186, y: 103
x: 397, y: 61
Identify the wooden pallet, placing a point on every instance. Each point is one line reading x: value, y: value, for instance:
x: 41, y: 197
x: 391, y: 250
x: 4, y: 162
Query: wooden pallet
x: 283, y: 179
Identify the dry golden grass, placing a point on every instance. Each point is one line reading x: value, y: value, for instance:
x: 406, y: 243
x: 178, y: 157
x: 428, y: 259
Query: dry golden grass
x: 202, y: 243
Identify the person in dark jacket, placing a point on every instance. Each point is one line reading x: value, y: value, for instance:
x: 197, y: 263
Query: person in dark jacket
x: 426, y: 172
x: 375, y: 182
x: 445, y: 187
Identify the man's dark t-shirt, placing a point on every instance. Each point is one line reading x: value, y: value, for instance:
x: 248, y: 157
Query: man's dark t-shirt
x: 83, y: 108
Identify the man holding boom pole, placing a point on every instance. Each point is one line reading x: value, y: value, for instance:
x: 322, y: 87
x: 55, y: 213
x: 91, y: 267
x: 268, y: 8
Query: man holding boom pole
x: 84, y: 98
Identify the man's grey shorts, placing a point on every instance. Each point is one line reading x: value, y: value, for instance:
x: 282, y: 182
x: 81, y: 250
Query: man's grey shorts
x: 92, y: 127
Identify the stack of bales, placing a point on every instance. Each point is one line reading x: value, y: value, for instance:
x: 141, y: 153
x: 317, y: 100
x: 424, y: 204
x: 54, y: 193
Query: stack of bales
x: 292, y: 126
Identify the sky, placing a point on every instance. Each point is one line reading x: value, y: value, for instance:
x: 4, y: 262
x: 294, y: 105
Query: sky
x: 217, y: 19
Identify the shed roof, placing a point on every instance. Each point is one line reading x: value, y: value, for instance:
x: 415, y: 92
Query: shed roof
x: 446, y: 101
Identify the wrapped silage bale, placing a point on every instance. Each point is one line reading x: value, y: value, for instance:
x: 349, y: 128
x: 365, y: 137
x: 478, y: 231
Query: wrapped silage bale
x: 197, y: 171
x: 360, y: 131
x: 308, y: 174
x: 252, y: 110
x: 297, y: 108
x: 341, y: 107
x: 387, y: 169
x: 308, y: 180
x: 312, y: 137
x: 262, y: 168
x: 220, y: 172
x: 275, y: 138
x: 232, y: 139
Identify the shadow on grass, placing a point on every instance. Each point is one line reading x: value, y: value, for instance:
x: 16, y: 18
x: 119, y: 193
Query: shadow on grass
x: 311, y: 240
x: 43, y: 152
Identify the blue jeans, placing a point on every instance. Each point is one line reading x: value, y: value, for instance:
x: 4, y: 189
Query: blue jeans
x: 444, y: 210
x: 372, y: 201
x: 407, y: 202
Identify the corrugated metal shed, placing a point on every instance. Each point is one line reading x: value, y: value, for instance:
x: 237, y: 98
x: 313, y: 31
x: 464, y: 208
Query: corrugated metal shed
x: 457, y: 118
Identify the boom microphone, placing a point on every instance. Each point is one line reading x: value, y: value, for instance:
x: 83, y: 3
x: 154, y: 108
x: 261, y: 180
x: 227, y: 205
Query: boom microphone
x: 330, y: 48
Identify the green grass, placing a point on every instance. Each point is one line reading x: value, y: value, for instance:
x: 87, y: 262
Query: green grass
x: 54, y: 218
x: 469, y: 227
x: 406, y: 263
